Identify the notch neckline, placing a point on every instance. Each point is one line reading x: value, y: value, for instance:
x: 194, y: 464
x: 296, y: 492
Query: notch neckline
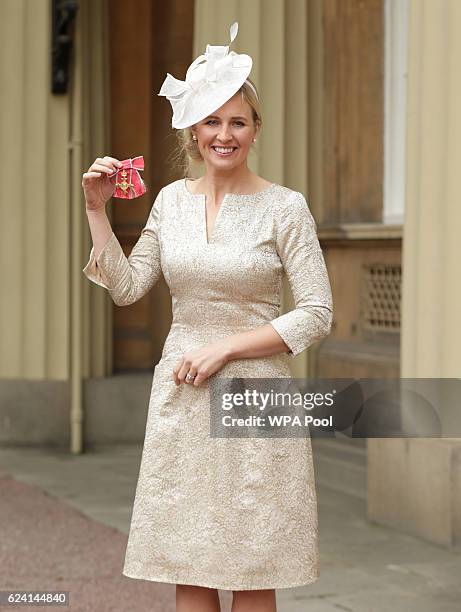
x: 228, y: 195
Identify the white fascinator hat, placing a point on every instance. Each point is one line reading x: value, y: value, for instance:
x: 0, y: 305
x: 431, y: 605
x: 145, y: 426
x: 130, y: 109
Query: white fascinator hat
x: 211, y: 80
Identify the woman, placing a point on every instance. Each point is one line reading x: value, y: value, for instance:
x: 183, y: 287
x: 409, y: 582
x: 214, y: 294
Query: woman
x: 219, y: 513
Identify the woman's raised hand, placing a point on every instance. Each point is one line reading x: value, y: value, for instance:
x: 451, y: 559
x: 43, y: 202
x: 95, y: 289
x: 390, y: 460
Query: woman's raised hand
x: 96, y: 184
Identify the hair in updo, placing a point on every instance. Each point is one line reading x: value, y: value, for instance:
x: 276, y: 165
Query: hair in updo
x: 186, y: 151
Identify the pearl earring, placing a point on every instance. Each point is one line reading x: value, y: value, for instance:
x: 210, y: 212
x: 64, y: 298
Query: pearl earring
x: 194, y: 137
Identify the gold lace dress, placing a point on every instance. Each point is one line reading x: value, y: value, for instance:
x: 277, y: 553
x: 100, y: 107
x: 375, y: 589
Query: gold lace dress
x: 226, y: 513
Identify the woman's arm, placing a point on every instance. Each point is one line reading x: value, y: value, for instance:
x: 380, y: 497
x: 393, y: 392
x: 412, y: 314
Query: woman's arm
x: 127, y: 279
x: 100, y: 229
x: 299, y: 250
x: 260, y: 342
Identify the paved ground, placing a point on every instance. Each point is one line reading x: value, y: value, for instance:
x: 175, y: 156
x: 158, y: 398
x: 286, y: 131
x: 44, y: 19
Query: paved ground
x: 64, y: 522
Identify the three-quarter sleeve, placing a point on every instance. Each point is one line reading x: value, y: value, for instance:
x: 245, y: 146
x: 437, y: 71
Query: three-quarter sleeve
x: 128, y: 279
x: 302, y: 258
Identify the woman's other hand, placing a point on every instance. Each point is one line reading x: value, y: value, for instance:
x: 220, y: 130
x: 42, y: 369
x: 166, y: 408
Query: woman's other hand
x: 201, y: 363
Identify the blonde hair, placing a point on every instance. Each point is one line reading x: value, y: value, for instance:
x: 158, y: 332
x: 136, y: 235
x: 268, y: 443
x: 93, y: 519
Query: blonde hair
x: 186, y: 152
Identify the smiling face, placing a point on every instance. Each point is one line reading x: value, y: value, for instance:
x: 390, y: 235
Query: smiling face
x: 231, y: 128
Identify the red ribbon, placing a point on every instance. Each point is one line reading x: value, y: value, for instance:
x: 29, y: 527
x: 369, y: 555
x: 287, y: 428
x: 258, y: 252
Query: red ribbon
x: 127, y: 179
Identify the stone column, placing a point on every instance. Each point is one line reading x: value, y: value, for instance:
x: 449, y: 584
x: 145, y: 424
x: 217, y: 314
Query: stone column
x: 52, y: 333
x: 415, y: 483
